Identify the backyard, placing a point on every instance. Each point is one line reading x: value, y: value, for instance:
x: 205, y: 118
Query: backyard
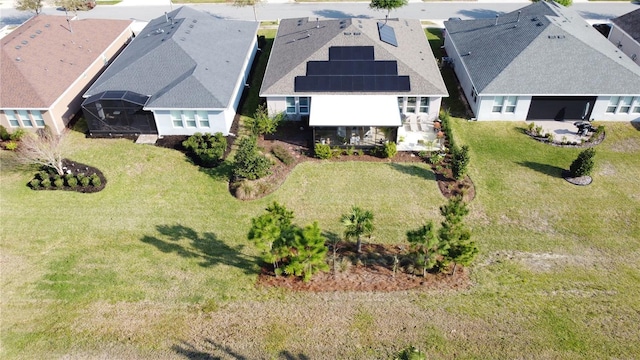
x: 158, y: 265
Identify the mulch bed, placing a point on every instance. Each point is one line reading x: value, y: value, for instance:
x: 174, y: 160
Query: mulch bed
x: 78, y: 168
x: 581, y: 180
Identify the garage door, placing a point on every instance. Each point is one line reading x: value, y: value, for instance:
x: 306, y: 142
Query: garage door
x: 561, y: 108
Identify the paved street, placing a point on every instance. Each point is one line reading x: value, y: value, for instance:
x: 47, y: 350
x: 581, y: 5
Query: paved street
x: 131, y: 9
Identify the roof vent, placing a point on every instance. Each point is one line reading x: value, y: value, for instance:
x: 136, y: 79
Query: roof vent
x: 535, y: 18
x: 347, y: 33
x: 38, y: 32
x: 18, y: 47
x: 18, y: 59
x: 519, y: 12
x: 33, y: 36
x: 47, y: 25
x: 356, y: 33
x: 24, y: 42
x: 539, y: 24
x: 497, y: 16
x: 188, y: 31
x: 191, y: 26
x: 195, y: 21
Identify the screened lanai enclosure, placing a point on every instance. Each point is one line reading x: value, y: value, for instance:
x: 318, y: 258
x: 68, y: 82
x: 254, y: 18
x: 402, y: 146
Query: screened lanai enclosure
x: 365, y: 136
x: 113, y: 113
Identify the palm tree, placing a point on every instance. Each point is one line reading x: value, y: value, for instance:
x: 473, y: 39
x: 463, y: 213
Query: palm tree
x: 357, y: 223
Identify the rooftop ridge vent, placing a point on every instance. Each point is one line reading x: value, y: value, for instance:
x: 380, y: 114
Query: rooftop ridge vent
x: 38, y: 32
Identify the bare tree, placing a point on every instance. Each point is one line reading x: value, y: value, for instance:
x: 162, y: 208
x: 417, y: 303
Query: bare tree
x: 252, y: 3
x: 44, y: 148
x: 29, y: 5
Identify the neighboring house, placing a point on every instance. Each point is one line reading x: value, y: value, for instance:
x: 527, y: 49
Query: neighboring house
x: 542, y: 62
x: 184, y: 73
x: 625, y: 34
x: 355, y: 80
x: 48, y: 62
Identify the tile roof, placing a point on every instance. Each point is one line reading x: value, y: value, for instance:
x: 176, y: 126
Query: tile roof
x: 192, y: 61
x: 630, y: 23
x: 301, y: 40
x: 541, y: 49
x: 42, y: 58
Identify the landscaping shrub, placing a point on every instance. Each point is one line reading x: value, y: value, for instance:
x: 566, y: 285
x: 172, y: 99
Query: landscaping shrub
x: 17, y: 135
x: 95, y: 180
x: 85, y: 180
x: 208, y: 150
x: 35, y: 183
x: 390, y: 150
x: 411, y: 353
x: 11, y: 145
x: 583, y: 164
x: 358, y: 152
x: 531, y: 126
x: 4, y: 134
x: 59, y: 182
x: 46, y: 183
x: 72, y: 181
x: 283, y: 155
x: 323, y: 151
x: 436, y: 158
x: 549, y: 136
x: 248, y: 162
x: 262, y: 123
x: 596, y: 134
x: 460, y: 161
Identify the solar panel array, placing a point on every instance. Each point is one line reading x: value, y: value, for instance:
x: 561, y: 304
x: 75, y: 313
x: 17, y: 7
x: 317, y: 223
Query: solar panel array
x: 352, y: 68
x: 387, y: 34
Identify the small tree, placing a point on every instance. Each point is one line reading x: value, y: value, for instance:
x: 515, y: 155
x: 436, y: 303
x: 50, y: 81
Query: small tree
x: 357, y: 223
x: 462, y: 250
x: 561, y: 2
x: 309, y: 252
x: 29, y: 5
x: 387, y: 5
x: 460, y: 161
x: 252, y: 3
x: 583, y: 164
x: 72, y: 5
x: 248, y: 162
x: 262, y: 123
x: 271, y: 233
x: 44, y: 148
x: 426, y: 248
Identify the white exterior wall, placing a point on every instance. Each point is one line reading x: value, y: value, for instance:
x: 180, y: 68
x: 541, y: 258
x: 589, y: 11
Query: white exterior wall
x: 485, y: 109
x: 461, y: 73
x: 600, y: 107
x: 625, y: 43
x: 434, y: 107
x: 276, y: 104
x: 217, y: 123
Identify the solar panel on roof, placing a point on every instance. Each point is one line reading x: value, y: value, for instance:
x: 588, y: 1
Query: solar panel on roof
x: 387, y: 34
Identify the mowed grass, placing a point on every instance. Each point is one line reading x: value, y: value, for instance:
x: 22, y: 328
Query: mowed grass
x: 157, y: 265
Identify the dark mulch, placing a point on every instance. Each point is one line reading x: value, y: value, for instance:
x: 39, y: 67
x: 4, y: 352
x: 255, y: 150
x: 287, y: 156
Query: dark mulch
x: 371, y: 270
x: 74, y: 167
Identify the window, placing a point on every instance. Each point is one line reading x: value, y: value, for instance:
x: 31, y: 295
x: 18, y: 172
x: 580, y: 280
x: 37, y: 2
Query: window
x: 190, y: 118
x: 291, y: 105
x: 37, y: 117
x: 510, y: 103
x: 625, y: 104
x: 176, y: 118
x: 24, y: 116
x: 304, y: 105
x: 411, y: 104
x: 401, y: 104
x: 11, y: 116
x: 498, y: 101
x: 203, y: 118
x: 424, y: 105
x: 636, y: 109
x: 613, y: 104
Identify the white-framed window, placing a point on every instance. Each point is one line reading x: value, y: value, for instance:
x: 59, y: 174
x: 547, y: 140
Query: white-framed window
x: 176, y: 118
x: 203, y: 118
x: 510, y: 104
x: 36, y: 115
x: 498, y: 102
x: 189, y: 118
x: 623, y: 105
x: 400, y: 104
x: 291, y: 104
x: 24, y: 117
x: 11, y: 116
x: 303, y: 103
x: 424, y: 105
x: 411, y: 104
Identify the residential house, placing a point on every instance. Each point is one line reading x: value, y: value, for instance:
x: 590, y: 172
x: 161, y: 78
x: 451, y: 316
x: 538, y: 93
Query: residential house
x: 48, y: 62
x: 625, y: 34
x: 184, y: 73
x: 542, y: 62
x: 356, y: 81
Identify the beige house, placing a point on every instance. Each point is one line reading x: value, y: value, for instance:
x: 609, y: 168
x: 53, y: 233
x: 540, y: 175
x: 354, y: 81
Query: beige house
x: 47, y: 64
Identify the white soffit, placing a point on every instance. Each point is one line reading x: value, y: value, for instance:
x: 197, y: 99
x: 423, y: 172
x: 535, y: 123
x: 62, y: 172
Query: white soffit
x: 354, y: 110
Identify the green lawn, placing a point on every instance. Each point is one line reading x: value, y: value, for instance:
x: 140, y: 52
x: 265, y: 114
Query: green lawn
x: 157, y: 264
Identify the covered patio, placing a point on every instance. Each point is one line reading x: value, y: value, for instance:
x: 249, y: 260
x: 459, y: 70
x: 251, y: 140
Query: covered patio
x: 419, y: 134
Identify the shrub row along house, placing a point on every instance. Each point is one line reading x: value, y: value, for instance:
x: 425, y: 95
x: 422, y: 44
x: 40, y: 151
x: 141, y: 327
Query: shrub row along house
x: 355, y: 82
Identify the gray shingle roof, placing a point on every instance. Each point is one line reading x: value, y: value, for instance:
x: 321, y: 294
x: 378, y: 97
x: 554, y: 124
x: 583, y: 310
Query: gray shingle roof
x: 192, y: 61
x: 630, y: 23
x: 301, y: 40
x: 551, y: 50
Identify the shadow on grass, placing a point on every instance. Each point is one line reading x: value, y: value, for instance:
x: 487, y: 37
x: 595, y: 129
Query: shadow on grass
x: 190, y: 352
x: 206, y: 247
x: 221, y: 172
x: 543, y: 168
x: 414, y: 170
